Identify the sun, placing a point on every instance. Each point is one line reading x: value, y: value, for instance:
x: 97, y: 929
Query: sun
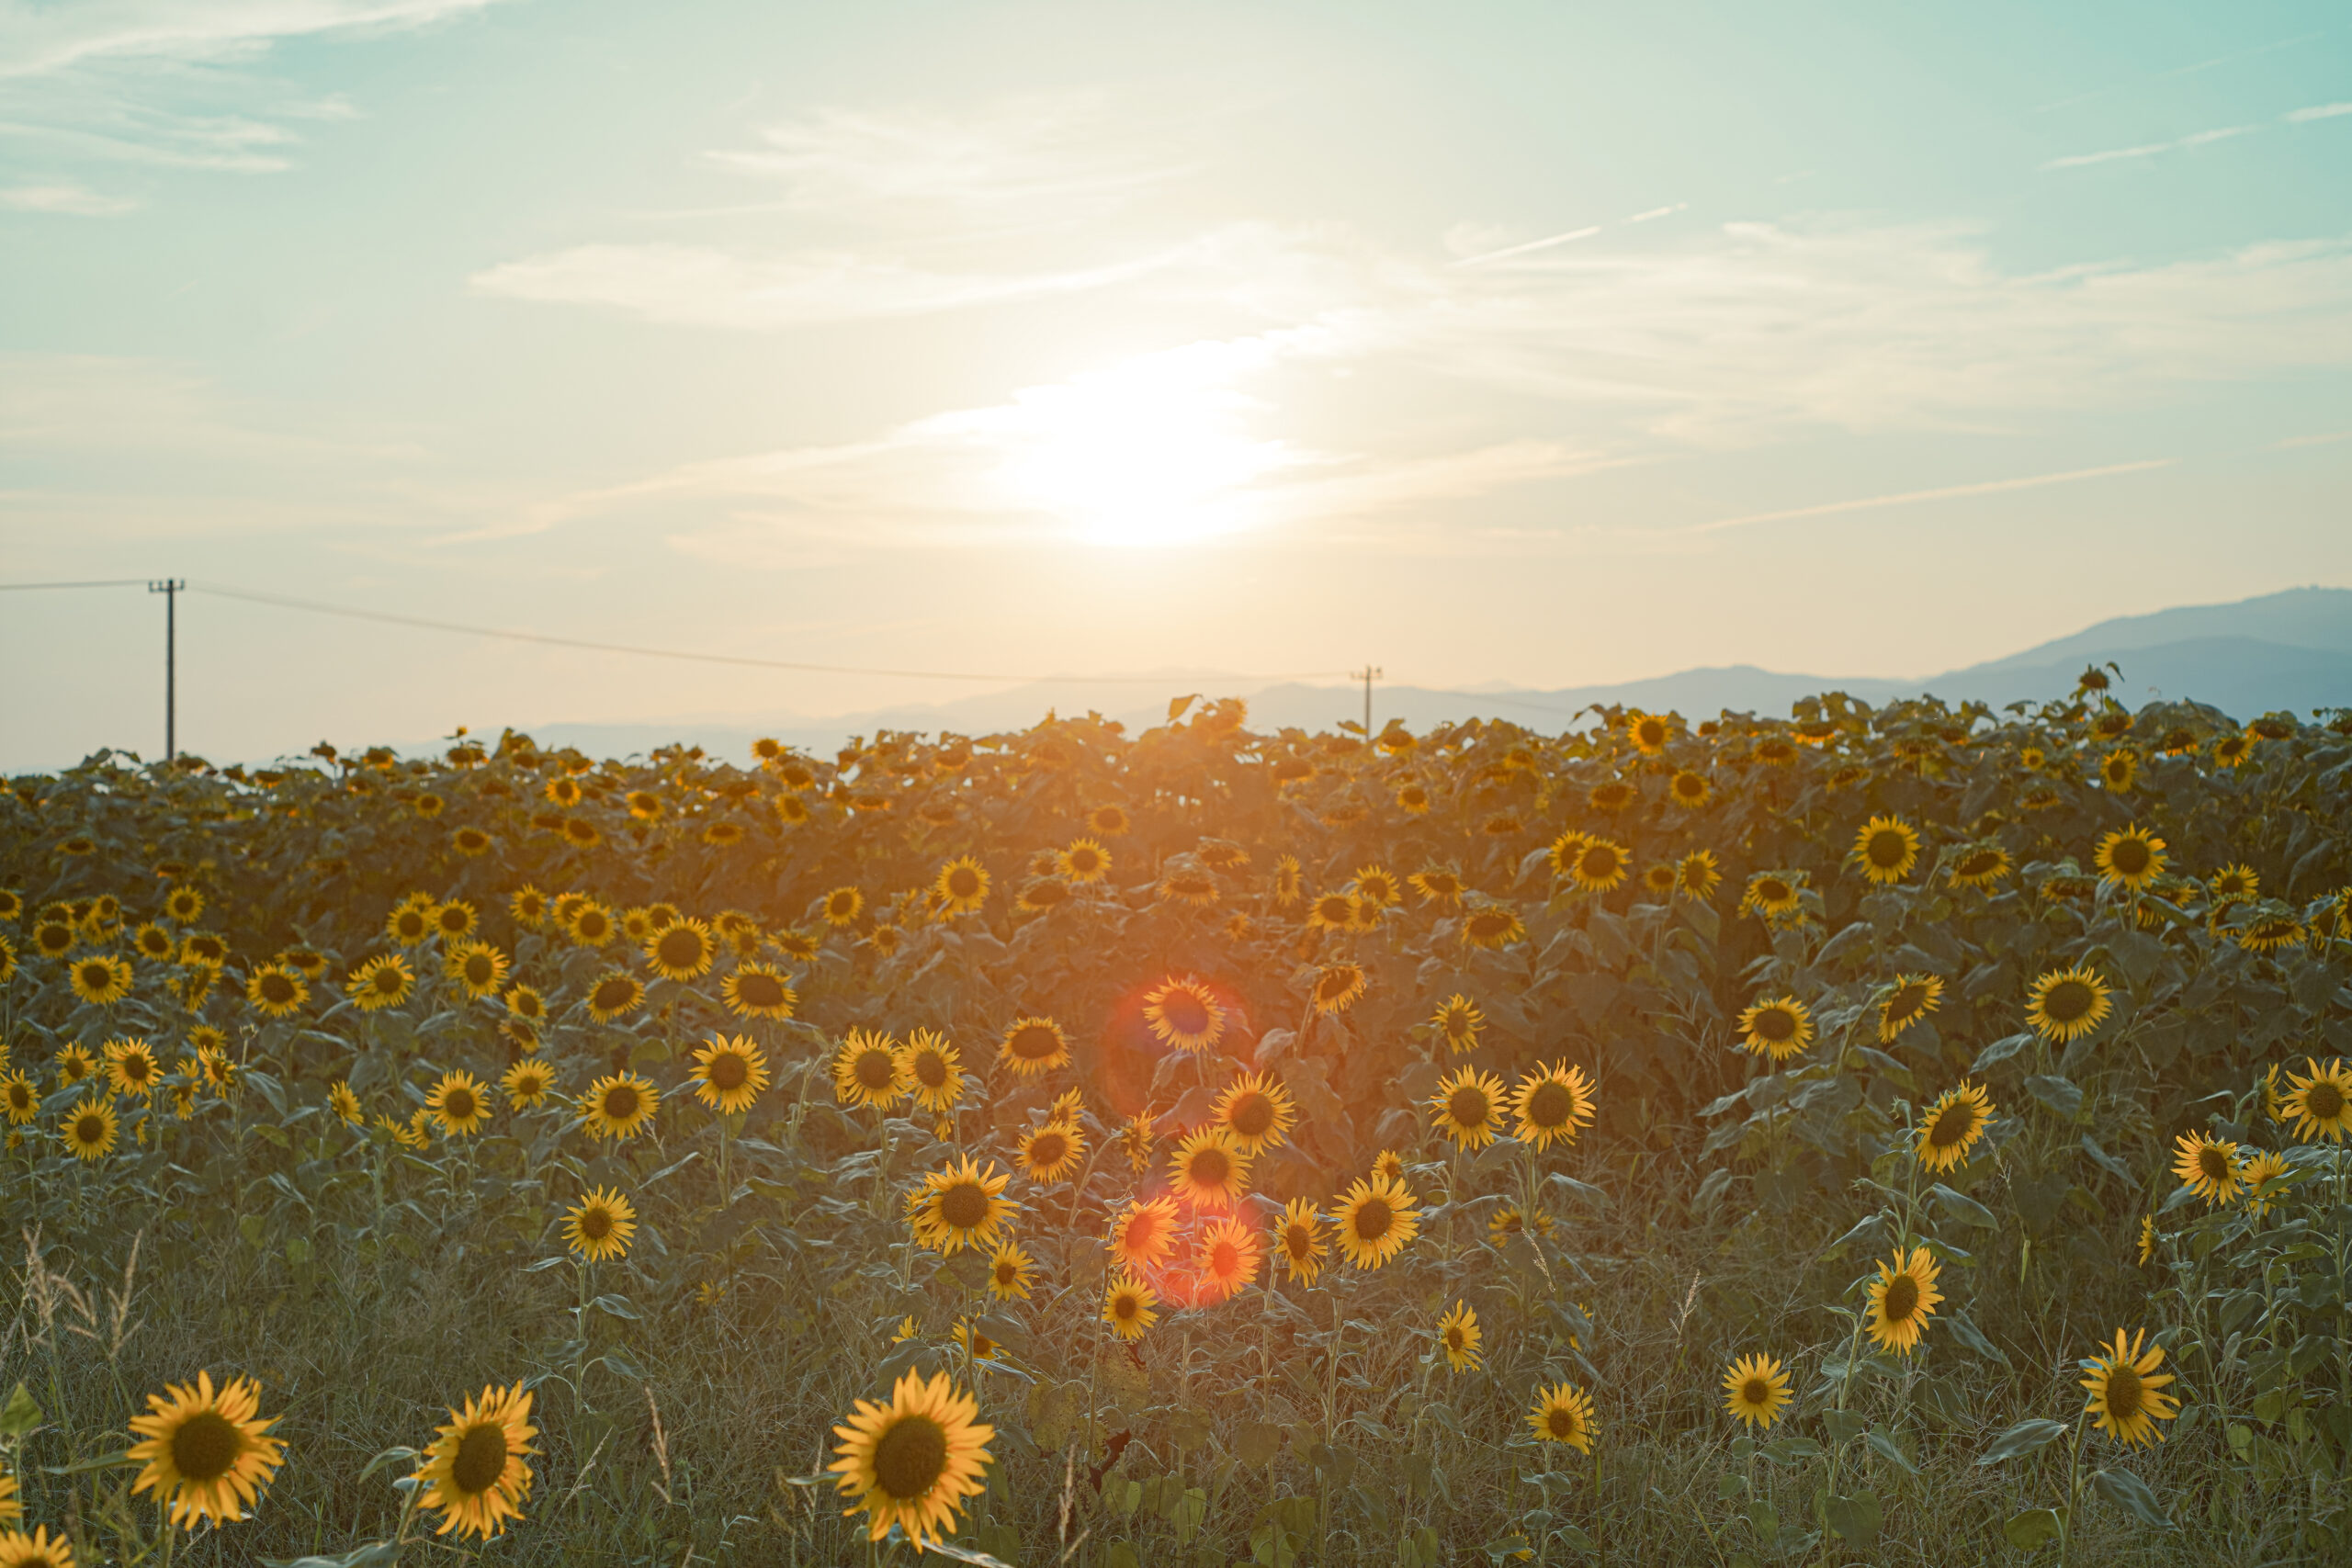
x: 1153, y: 452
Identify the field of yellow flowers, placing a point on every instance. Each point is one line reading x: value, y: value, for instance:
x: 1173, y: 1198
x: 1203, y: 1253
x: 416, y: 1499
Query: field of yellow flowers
x: 1899, y: 1135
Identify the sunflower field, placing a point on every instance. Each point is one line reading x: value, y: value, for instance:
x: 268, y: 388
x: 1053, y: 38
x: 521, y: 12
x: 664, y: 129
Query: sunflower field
x: 1910, y: 1134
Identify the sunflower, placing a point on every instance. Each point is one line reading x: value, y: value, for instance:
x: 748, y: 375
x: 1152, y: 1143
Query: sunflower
x: 1111, y: 821
x: 1773, y: 895
x: 1696, y: 876
x: 1901, y: 1298
x: 19, y: 1098
x: 89, y: 1130
x: 1980, y: 867
x: 54, y: 938
x: 528, y: 905
x: 796, y: 944
x: 527, y: 1083
x: 1952, y: 1125
x: 934, y: 1071
x: 1552, y: 1105
x: 1289, y: 887
x: 2264, y: 1186
x: 2132, y: 857
x: 1468, y: 1108
x: 2209, y: 1168
x: 1375, y: 1219
x: 962, y: 886
x: 960, y: 1206
x: 151, y: 941
x: 616, y: 994
x: 682, y: 951
x: 1337, y: 987
x: 1886, y: 849
x: 183, y: 905
x: 1913, y: 998
x: 2320, y: 1101
x: 2066, y: 1003
x: 1084, y: 860
x: 381, y: 982
x: 1437, y: 885
x: 1413, y: 800
x: 526, y: 1003
x: 599, y: 1227
x: 1756, y: 1390
x: 1032, y: 1046
x: 478, y: 968
x: 1184, y: 1014
x: 1230, y: 1255
x: 2119, y: 769
x: 307, y: 962
x: 38, y: 1549
x: 1209, y: 1170
x: 410, y: 920
x: 2271, y: 931
x: 1136, y: 1137
x: 73, y: 1064
x: 1299, y: 1240
x: 101, y: 981
x: 591, y: 925
x: 1458, y: 1335
x: 1010, y: 1272
x: 207, y: 1454
x: 477, y: 1471
x: 620, y: 1105
x: 1126, y: 1306
x: 1689, y: 790
x: 730, y: 1074
x: 1142, y: 1233
x: 757, y: 990
x: 2127, y: 1398
x: 1563, y: 1415
x: 1492, y: 925
x: 132, y: 1066
x: 1050, y: 1152
x: 1333, y: 912
x: 869, y: 1071
x: 1648, y: 732
x: 1457, y: 1021
x: 1778, y: 1027
x: 276, y: 991
x: 885, y: 938
x: 2147, y: 1239
x: 1257, y: 1110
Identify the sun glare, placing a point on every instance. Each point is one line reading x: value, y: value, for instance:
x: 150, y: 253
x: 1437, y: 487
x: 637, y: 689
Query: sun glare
x: 1152, y: 452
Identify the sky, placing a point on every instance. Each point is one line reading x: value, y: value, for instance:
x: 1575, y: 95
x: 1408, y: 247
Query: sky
x: 1510, y: 342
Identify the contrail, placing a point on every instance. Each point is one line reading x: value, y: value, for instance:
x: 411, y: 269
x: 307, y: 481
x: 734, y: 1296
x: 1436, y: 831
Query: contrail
x: 1948, y: 493
x: 1532, y: 245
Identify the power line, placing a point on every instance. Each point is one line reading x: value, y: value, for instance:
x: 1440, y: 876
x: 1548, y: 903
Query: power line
x: 102, y: 583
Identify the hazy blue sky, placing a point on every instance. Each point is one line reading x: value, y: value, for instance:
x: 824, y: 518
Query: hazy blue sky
x: 1547, y: 344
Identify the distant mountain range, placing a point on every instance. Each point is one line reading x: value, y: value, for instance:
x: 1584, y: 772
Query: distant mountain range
x: 2289, y: 650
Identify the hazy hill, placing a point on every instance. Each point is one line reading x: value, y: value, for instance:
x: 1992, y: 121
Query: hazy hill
x: 2291, y: 650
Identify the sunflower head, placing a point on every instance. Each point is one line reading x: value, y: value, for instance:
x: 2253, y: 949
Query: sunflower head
x: 1778, y: 1027
x: 869, y: 1070
x: 478, y: 1471
x: 1209, y: 1170
x: 1901, y: 1300
x: 1952, y: 1125
x: 1913, y: 998
x: 1257, y: 1110
x: 1375, y: 1219
x: 207, y: 1454
x: 1552, y: 1105
x: 1756, y: 1390
x: 2067, y: 1003
x: 1032, y: 1046
x: 1469, y: 1107
x: 2127, y: 1397
x: 1563, y: 1414
x: 1184, y: 1014
x: 730, y: 1074
x: 1127, y: 1305
x: 600, y: 1226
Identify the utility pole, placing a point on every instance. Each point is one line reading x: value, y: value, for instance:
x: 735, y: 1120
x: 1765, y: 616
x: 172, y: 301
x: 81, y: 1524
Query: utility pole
x: 169, y: 589
x: 1368, y: 674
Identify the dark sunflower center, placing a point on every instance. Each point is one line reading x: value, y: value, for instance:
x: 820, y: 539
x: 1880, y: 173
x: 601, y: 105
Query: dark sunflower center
x: 90, y: 1128
x: 1006, y: 1274
x: 95, y: 976
x: 1771, y: 891
x: 1951, y: 1126
x: 2125, y: 1393
x: 1888, y: 848
x: 931, y: 1070
x: 1335, y: 910
x: 1253, y: 1115
x: 1124, y: 1307
x: 1978, y: 866
x: 276, y: 989
x: 411, y: 925
x: 1651, y: 732
x: 1083, y: 861
x: 1561, y: 1423
x: 615, y: 994
x: 2068, y: 1000
x: 1467, y: 1108
x: 1048, y: 1150
x: 962, y: 882
x: 680, y: 947
x: 481, y: 1459
x: 2130, y: 856
x: 1901, y: 1298
x: 137, y: 1069
x: 206, y: 1445
x: 1224, y: 1259
x: 1183, y: 1012
x: 1211, y: 1167
x: 2324, y: 1100
x: 1776, y: 1024
x: 1600, y: 861
x: 964, y: 1205
x: 1140, y: 1232
x: 1551, y: 1105
x: 728, y: 1071
x: 621, y: 1102
x: 1756, y: 1391
x: 596, y: 1223
x: 460, y: 1105
x: 875, y: 1070
x: 1337, y: 983
x: 1298, y: 1241
x: 1453, y: 1337
x: 1034, y: 1043
x: 1373, y: 1219
x: 2213, y: 1163
x: 479, y: 970
x: 1906, y: 1003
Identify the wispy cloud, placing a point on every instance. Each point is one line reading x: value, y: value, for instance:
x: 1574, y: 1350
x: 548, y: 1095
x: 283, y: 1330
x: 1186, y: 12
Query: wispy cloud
x: 2150, y: 149
x: 37, y: 39
x: 2327, y: 438
x: 1531, y: 246
x: 1914, y: 496
x: 2318, y: 111
x: 63, y: 197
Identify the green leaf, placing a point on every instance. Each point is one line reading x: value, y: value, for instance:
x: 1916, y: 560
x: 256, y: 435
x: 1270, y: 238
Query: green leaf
x: 1962, y: 1207
x: 1856, y: 1519
x: 1843, y: 1426
x: 618, y: 1306
x: 1790, y: 1450
x: 1887, y: 1448
x: 389, y: 1456
x: 973, y: 1555
x: 2131, y: 1493
x: 2031, y: 1529
x: 2061, y: 1095
x: 372, y: 1555
x: 2025, y: 1437
x: 120, y: 1459
x: 1257, y: 1443
x: 21, y: 1415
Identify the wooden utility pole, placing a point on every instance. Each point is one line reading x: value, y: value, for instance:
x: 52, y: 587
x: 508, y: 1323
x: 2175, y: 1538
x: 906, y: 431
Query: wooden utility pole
x: 169, y: 589
x: 1368, y: 674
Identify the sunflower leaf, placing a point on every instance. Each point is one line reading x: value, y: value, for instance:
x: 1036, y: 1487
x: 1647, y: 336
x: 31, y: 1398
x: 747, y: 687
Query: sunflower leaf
x: 1964, y: 1209
x: 2131, y: 1493
x: 389, y: 1456
x: 2059, y: 1094
x: 115, y: 1460
x: 2025, y: 1437
x: 21, y: 1414
x: 1887, y: 1448
x: 2031, y: 1529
